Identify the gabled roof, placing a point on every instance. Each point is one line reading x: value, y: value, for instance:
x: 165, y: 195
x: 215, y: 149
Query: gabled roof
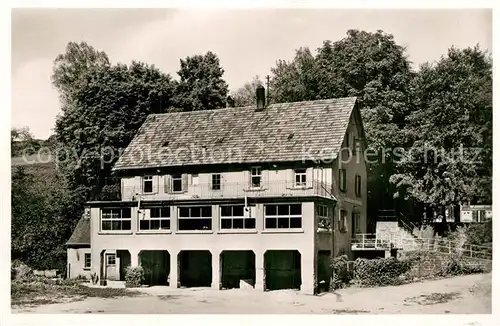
x: 284, y: 132
x: 81, y: 234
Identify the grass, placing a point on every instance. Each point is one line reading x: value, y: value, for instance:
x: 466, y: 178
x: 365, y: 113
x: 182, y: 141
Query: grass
x: 40, y: 291
x: 433, y: 298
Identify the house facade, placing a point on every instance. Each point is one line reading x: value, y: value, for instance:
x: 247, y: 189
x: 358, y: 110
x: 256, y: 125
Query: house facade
x: 236, y: 197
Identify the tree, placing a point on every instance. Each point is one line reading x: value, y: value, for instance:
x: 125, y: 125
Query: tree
x: 72, y: 67
x: 201, y: 86
x: 370, y: 66
x: 22, y: 142
x: 105, y: 113
x: 245, y: 96
x: 449, y: 156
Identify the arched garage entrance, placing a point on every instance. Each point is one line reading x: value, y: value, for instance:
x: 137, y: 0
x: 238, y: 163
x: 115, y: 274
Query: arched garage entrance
x: 237, y: 266
x: 195, y: 268
x: 156, y: 265
x: 282, y: 269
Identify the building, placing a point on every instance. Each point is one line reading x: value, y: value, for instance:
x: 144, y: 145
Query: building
x: 78, y: 250
x: 475, y: 213
x: 252, y: 196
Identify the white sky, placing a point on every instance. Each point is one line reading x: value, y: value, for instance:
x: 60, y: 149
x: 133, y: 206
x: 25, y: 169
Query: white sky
x: 248, y: 42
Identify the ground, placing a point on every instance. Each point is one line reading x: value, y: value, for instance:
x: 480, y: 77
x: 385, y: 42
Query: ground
x: 463, y: 294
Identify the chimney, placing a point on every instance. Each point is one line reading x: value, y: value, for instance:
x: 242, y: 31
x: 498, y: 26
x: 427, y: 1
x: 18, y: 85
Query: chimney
x: 230, y: 102
x: 261, y: 97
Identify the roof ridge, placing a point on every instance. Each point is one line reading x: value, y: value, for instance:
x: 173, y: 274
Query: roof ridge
x: 251, y: 106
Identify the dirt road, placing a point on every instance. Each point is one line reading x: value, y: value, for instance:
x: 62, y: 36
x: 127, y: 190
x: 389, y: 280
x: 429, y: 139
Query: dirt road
x: 464, y: 294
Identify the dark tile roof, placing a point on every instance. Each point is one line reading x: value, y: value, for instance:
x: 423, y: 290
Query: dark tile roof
x: 281, y: 132
x: 81, y: 234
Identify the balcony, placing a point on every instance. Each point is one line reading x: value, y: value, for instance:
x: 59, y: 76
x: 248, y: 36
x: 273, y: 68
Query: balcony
x: 231, y: 190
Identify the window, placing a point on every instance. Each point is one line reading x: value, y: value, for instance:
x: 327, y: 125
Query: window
x: 115, y: 219
x: 87, y: 261
x: 324, y: 219
x: 356, y: 222
x: 159, y: 219
x: 195, y: 218
x: 233, y: 217
x: 357, y: 185
x: 342, y: 180
x: 256, y: 176
x: 357, y: 145
x: 283, y: 216
x: 300, y: 177
x: 176, y: 182
x: 216, y: 181
x: 347, y: 135
x: 110, y: 259
x: 147, y: 184
x: 343, y: 221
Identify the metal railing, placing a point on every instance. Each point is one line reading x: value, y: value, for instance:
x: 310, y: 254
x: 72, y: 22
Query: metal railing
x: 229, y: 190
x: 374, y: 242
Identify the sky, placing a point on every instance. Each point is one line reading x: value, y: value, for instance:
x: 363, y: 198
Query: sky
x: 247, y: 41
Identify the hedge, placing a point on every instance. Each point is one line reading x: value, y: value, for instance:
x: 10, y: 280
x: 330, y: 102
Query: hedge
x: 134, y: 276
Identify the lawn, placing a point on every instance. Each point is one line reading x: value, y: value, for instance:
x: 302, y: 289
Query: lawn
x: 39, y: 291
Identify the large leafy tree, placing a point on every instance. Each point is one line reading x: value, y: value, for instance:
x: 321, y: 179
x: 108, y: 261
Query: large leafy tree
x: 103, y: 116
x: 449, y: 155
x: 201, y: 86
x: 370, y: 66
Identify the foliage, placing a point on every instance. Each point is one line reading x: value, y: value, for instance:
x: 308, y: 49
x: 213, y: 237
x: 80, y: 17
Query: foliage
x: 201, y: 86
x: 245, y: 96
x: 449, y: 131
x: 480, y: 234
x: 370, y: 66
x: 94, y: 278
x: 20, y: 271
x: 22, y: 142
x: 341, y: 273
x: 380, y: 272
x: 134, y: 276
x: 42, y: 290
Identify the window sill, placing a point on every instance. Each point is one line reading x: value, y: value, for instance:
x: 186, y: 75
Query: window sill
x: 237, y: 231
x: 283, y: 231
x: 195, y: 232
x: 154, y: 232
x: 115, y: 232
x: 300, y: 188
x: 87, y: 268
x: 250, y: 189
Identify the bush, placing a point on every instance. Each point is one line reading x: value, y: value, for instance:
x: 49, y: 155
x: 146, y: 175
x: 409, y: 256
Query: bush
x: 134, y: 276
x: 341, y: 274
x: 20, y: 271
x: 381, y: 272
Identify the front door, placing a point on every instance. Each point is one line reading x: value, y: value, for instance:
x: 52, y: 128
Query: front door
x: 111, y: 273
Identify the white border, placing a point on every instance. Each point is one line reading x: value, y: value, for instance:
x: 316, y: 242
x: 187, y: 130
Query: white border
x: 7, y: 319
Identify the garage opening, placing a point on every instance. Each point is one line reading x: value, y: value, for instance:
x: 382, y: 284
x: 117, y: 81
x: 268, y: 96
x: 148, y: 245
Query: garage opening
x: 156, y: 265
x: 324, y: 270
x: 195, y: 268
x: 123, y: 262
x: 238, y: 269
x: 282, y: 269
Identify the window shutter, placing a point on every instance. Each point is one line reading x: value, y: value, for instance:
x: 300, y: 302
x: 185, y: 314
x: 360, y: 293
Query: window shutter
x: 290, y: 178
x: 247, y: 177
x: 309, y: 177
x: 156, y: 183
x: 167, y: 184
x: 184, y: 182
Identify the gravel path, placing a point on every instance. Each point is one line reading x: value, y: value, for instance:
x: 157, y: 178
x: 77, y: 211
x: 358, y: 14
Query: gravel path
x: 464, y: 294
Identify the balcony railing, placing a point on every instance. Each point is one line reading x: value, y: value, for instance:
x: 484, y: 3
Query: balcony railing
x: 228, y: 190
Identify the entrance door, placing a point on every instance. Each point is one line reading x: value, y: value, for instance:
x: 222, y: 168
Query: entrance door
x: 111, y: 273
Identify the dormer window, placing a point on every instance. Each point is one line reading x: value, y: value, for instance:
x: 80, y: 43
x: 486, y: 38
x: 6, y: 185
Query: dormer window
x: 300, y: 177
x: 256, y: 176
x: 177, y: 182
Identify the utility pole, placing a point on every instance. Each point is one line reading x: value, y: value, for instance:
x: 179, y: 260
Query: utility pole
x: 267, y: 89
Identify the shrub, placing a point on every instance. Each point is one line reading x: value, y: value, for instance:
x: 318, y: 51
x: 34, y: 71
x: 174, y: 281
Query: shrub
x: 20, y: 271
x: 341, y: 274
x: 94, y: 278
x: 381, y: 272
x: 134, y: 276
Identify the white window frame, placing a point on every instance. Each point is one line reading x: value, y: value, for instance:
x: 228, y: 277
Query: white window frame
x: 116, y: 215
x: 323, y: 212
x: 302, y: 176
x: 173, y: 178
x: 108, y: 256
x: 85, y: 265
x: 179, y: 218
x: 214, y: 175
x: 163, y: 217
x: 147, y: 178
x: 233, y: 217
x: 289, y: 216
x: 256, y: 172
